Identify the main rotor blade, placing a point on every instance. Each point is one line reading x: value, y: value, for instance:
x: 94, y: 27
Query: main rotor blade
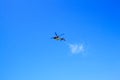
x: 56, y: 34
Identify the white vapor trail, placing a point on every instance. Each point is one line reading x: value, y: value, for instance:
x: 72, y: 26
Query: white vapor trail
x: 77, y: 48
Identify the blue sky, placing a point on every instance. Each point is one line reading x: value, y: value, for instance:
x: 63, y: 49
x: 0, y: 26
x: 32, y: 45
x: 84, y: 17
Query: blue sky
x: 28, y: 53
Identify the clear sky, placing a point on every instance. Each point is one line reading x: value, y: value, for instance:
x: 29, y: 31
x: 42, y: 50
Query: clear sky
x: 27, y: 51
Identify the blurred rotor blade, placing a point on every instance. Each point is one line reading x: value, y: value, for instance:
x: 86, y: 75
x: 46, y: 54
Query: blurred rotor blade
x: 61, y: 35
x: 55, y: 33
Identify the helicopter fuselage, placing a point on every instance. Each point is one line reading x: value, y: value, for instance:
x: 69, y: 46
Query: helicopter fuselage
x: 58, y: 38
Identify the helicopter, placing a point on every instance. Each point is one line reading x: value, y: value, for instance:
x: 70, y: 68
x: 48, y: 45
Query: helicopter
x: 58, y: 38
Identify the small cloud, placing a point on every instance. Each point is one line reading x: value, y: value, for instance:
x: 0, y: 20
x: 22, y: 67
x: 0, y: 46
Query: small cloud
x: 76, y: 48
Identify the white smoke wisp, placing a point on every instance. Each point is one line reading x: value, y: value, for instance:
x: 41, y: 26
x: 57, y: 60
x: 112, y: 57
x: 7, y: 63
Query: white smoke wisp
x: 77, y: 48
